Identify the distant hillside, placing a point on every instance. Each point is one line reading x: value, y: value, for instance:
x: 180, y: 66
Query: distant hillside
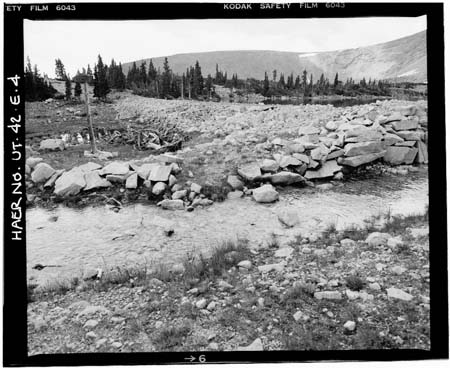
x: 405, y: 58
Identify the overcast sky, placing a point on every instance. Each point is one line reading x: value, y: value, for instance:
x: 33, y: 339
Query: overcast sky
x: 78, y: 43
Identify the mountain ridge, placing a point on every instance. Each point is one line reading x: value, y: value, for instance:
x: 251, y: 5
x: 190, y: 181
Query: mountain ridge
x: 403, y: 59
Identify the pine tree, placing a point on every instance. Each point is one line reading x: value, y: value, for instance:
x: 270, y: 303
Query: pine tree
x: 336, y: 81
x: 143, y: 74
x: 198, y: 79
x: 266, y: 85
x: 209, y: 85
x: 68, y: 84
x: 101, y: 87
x: 60, y: 70
x: 77, y: 89
x: 304, y: 81
x: 89, y: 74
x: 166, y: 77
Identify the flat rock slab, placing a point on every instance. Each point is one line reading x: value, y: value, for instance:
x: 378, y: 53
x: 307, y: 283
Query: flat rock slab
x: 116, y: 178
x: 328, y: 169
x: 94, y: 180
x: 42, y: 172
x: 166, y: 158
x: 70, y: 183
x: 363, y: 148
x: 160, y: 173
x: 396, y: 155
x: 405, y: 124
x: 409, y: 135
x: 390, y: 139
x: 116, y: 168
x: 145, y: 170
x: 250, y: 172
x: 360, y: 160
x: 308, y: 130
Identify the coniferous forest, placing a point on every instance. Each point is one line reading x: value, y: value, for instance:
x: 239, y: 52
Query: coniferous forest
x: 146, y: 80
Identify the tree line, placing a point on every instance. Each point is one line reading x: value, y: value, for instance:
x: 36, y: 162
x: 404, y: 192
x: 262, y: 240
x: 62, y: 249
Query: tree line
x: 147, y: 80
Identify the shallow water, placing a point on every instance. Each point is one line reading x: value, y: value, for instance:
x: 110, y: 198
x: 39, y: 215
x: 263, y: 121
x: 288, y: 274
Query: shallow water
x: 95, y: 237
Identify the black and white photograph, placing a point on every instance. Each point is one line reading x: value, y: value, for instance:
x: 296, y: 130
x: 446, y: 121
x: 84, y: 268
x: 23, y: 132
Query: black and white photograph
x: 226, y: 183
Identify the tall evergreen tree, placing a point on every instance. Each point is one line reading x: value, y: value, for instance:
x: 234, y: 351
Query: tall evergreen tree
x: 336, y: 81
x: 198, y: 79
x: 166, y: 77
x: 101, y: 87
x: 266, y: 86
x: 60, y: 70
x: 77, y: 91
x: 68, y: 84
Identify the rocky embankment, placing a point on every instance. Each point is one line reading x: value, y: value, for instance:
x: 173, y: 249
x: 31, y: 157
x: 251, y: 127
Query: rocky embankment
x: 290, y: 145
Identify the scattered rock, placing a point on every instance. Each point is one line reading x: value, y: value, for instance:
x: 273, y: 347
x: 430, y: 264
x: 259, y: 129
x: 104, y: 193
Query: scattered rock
x: 235, y: 183
x: 250, y: 172
x: 93, y: 180
x: 399, y: 294
x: 132, y: 181
x: 42, y: 172
x: 171, y: 204
x: 350, y: 326
x: 269, y: 166
x: 284, y: 252
x: 92, y: 323
x: 265, y: 194
x: 286, y: 178
x: 332, y: 295
x: 116, y: 168
x: 277, y: 267
x: 159, y: 188
x: 245, y: 264
x: 377, y: 239
x: 52, y: 145
x: 160, y: 173
x: 288, y: 217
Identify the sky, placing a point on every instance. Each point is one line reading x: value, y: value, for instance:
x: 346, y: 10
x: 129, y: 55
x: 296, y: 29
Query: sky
x: 77, y: 43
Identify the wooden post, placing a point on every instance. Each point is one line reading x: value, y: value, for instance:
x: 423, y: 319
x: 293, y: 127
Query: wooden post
x: 88, y: 111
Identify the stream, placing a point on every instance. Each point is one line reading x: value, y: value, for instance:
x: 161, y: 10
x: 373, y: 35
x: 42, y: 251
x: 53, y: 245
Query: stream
x: 97, y: 237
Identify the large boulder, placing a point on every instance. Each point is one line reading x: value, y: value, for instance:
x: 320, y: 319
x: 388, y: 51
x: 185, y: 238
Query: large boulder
x: 407, y: 110
x: 52, y: 145
x: 94, y: 180
x: 363, y: 148
x: 250, y: 172
x: 116, y: 168
x: 355, y: 161
x: 42, y: 172
x: 408, y: 124
x: 70, y: 183
x: 160, y: 173
x: 400, y: 155
x: 396, y: 116
x: 327, y: 170
x: 286, y: 178
x: 265, y: 194
x: 159, y: 188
